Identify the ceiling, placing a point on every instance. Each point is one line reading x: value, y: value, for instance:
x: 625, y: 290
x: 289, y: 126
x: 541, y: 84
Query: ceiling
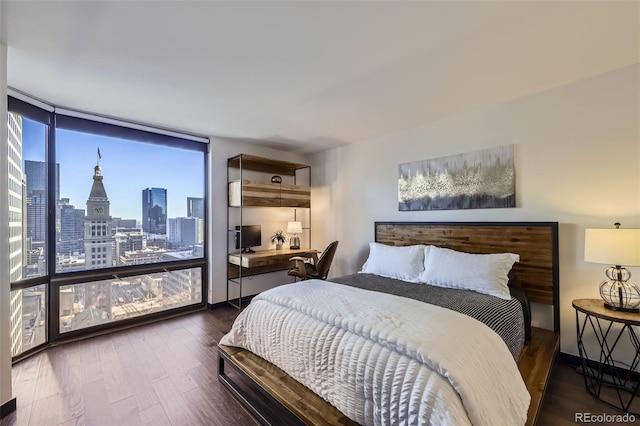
x: 306, y: 76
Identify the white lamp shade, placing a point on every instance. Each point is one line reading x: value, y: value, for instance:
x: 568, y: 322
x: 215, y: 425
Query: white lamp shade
x: 294, y: 228
x: 612, y: 246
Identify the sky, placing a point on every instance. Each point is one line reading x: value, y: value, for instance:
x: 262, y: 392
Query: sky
x: 127, y: 167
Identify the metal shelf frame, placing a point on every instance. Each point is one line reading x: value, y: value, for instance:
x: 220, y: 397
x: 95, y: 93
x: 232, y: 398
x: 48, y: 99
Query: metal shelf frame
x: 244, y: 162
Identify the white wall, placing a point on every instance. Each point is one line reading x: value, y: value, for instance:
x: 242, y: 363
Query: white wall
x: 577, y: 163
x: 5, y: 333
x: 270, y: 219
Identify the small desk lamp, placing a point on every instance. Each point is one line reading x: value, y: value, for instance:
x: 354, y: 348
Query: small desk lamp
x: 294, y: 228
x: 615, y: 247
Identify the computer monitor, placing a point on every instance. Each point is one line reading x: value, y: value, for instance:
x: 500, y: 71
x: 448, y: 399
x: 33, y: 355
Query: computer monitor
x: 251, y: 237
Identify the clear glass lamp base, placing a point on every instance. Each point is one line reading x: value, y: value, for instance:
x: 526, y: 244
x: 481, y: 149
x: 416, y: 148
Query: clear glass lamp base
x: 618, y: 293
x: 294, y: 243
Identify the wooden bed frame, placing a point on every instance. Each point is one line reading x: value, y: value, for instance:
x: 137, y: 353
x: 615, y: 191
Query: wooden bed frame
x: 273, y: 397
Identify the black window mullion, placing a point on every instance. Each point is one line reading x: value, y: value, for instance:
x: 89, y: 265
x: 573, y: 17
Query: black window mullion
x: 30, y: 282
x: 79, y: 277
x: 53, y: 307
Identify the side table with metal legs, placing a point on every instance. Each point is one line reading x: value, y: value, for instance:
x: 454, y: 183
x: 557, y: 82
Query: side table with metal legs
x: 610, y: 329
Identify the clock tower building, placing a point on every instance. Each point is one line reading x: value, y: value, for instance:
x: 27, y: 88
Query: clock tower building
x: 98, y: 238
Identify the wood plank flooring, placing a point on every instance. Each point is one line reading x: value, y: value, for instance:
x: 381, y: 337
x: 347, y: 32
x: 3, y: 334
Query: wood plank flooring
x: 158, y: 374
x: 166, y: 374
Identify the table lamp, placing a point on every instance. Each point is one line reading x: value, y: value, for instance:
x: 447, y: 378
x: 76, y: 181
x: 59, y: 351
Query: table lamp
x: 294, y: 228
x: 615, y: 247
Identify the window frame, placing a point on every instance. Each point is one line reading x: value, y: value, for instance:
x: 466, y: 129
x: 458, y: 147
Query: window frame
x: 104, y: 126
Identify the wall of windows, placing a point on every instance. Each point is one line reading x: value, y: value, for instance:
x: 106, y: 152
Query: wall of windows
x: 100, y: 201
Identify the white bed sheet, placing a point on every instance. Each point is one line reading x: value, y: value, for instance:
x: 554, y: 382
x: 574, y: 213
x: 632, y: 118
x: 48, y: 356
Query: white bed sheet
x: 383, y: 359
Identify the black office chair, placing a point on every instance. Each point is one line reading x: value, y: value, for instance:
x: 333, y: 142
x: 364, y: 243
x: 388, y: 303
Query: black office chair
x: 318, y: 269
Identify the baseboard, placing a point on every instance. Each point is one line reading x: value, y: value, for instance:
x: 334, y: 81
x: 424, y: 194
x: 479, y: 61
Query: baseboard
x: 245, y: 302
x: 570, y: 359
x: 7, y: 408
x: 577, y: 362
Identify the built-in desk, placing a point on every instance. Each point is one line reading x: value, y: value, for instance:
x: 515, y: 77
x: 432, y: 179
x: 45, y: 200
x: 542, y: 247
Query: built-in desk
x: 264, y: 261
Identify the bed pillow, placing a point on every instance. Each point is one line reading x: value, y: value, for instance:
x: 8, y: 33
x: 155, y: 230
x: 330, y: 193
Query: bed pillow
x: 402, y: 263
x: 484, y: 273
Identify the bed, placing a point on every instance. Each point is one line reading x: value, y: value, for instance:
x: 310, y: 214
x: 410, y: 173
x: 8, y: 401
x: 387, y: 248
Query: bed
x: 388, y: 386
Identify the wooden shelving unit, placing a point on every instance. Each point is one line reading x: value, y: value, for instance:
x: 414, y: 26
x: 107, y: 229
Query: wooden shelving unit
x: 246, y: 193
x: 266, y: 194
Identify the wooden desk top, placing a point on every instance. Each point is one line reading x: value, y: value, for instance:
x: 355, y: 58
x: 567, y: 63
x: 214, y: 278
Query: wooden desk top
x: 596, y: 307
x: 267, y: 257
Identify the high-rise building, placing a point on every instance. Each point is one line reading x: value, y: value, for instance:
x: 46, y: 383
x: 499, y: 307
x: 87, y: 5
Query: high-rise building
x: 200, y: 231
x: 98, y: 238
x: 141, y: 257
x: 181, y: 287
x: 195, y: 207
x: 128, y: 241
x: 98, y: 244
x: 36, y: 198
x: 154, y: 211
x: 16, y: 232
x: 16, y: 199
x: 185, y: 232
x: 118, y: 224
x: 36, y: 214
x: 15, y: 308
x: 36, y: 172
x: 71, y: 236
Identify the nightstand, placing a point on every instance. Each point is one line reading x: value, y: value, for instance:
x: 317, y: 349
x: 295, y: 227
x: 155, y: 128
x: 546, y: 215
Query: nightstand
x: 610, y: 327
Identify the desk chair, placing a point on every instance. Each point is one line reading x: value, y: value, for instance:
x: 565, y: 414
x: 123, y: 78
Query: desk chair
x: 319, y: 268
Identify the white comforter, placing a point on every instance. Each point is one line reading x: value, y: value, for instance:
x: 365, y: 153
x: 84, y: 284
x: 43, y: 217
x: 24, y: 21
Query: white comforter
x: 383, y: 359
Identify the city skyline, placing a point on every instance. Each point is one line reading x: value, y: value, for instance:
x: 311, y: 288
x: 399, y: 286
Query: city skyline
x: 85, y: 233
x: 164, y: 167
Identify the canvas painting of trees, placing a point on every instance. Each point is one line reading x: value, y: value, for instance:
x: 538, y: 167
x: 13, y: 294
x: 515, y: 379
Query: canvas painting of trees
x: 475, y: 180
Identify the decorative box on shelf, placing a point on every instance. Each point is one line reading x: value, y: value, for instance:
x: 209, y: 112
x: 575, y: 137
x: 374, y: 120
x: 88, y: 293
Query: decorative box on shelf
x: 267, y: 194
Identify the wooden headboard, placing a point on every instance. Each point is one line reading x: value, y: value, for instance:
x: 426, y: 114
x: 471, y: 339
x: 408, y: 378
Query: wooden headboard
x: 536, y: 243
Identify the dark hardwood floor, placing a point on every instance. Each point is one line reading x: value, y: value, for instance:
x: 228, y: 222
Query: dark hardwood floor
x: 566, y: 395
x: 166, y: 374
